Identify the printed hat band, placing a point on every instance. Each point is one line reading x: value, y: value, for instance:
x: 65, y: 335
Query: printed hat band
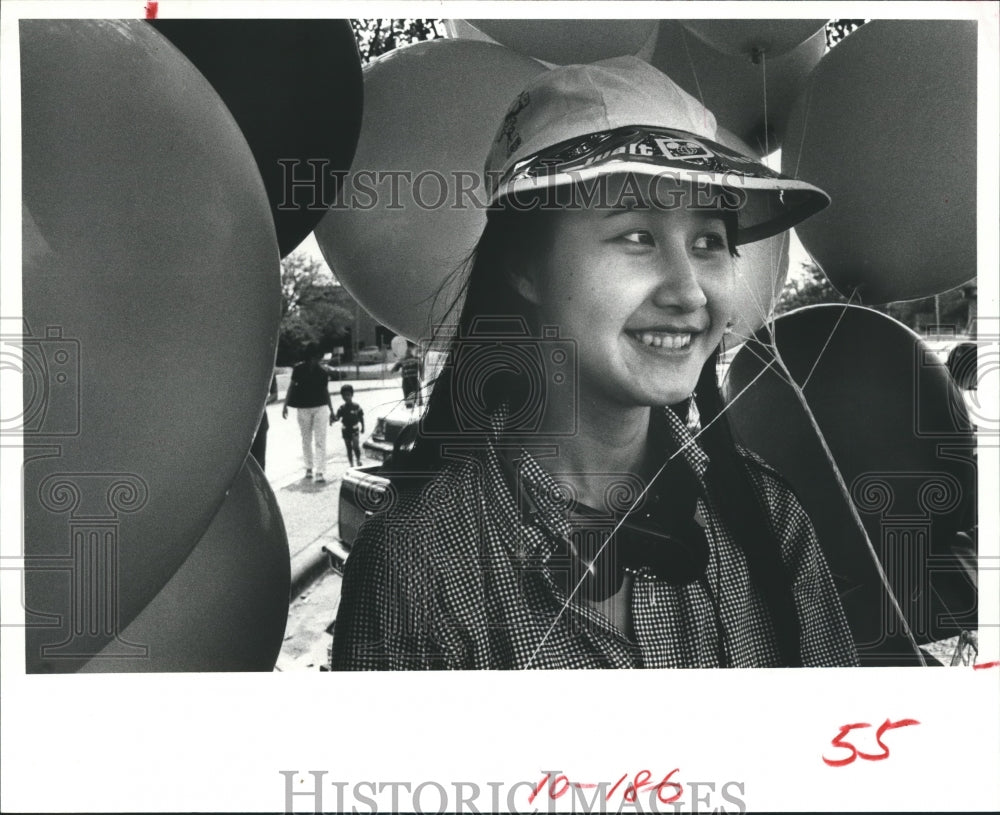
x: 768, y: 202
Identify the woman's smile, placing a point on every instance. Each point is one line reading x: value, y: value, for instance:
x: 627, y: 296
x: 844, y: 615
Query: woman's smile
x: 645, y: 293
x: 663, y: 340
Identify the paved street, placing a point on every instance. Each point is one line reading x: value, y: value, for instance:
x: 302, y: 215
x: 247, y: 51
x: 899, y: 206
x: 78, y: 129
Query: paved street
x: 310, y: 514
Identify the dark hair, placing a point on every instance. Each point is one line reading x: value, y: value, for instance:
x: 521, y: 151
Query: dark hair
x: 344, y: 389
x: 744, y: 513
x: 510, y: 237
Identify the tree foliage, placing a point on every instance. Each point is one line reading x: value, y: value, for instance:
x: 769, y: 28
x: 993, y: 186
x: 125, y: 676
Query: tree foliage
x: 836, y: 30
x: 809, y: 288
x: 313, y: 308
x: 952, y: 308
x: 379, y: 35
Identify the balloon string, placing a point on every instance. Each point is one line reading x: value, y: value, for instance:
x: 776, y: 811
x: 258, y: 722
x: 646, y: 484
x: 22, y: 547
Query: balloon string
x: 635, y: 503
x: 694, y: 71
x: 838, y: 476
x: 807, y: 97
x: 846, y: 495
x: 771, y: 325
x: 763, y: 73
x: 833, y: 330
x: 768, y: 317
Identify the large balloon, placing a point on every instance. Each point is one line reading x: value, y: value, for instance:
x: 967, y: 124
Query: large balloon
x: 733, y: 87
x: 225, y: 609
x: 761, y: 267
x: 752, y: 38
x: 887, y: 126
x: 151, y: 294
x: 900, y: 436
x: 432, y: 110
x: 568, y: 42
x: 294, y: 87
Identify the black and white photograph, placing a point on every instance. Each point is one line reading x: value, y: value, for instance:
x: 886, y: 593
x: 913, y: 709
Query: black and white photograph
x: 349, y: 360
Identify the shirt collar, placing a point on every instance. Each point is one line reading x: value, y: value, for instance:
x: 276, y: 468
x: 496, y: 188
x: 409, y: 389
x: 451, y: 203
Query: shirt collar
x: 539, y: 500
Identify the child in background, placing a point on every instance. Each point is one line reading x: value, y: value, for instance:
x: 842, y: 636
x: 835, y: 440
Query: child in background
x: 351, y: 416
x: 410, y: 367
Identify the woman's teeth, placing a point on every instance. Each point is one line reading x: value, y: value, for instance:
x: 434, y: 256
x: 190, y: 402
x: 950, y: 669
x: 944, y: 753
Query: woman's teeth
x: 663, y: 339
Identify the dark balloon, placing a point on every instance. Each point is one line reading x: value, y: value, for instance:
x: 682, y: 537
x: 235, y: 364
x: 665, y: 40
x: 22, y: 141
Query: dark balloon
x: 749, y: 38
x: 152, y: 294
x: 887, y: 126
x: 294, y: 87
x: 226, y: 608
x: 432, y: 110
x: 900, y: 435
x: 733, y: 87
x: 568, y: 42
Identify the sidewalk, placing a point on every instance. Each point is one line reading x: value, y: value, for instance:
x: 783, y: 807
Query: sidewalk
x: 310, y: 515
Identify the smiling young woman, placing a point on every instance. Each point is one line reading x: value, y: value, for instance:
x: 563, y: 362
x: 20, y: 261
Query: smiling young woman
x: 575, y: 497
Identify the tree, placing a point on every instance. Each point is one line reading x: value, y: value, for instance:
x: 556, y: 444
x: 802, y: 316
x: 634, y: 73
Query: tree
x: 836, y: 30
x: 807, y: 289
x: 811, y: 287
x: 952, y: 306
x: 312, y: 308
x: 378, y: 36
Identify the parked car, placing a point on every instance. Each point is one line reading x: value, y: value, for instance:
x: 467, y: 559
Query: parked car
x: 369, y: 355
x: 364, y: 489
x: 399, y: 423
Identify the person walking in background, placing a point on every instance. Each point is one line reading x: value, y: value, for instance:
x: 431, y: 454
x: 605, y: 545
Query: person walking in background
x: 410, y: 366
x: 351, y: 416
x: 259, y: 447
x: 309, y: 395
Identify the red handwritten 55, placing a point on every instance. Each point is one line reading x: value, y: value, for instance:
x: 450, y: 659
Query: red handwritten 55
x: 838, y: 741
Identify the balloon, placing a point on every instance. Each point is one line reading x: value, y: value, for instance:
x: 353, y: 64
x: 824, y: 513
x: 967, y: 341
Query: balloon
x: 733, y: 87
x: 568, y: 42
x: 152, y: 301
x: 399, y: 346
x: 761, y: 267
x: 432, y: 110
x: 464, y: 30
x: 887, y: 126
x: 294, y: 88
x: 744, y: 38
x: 898, y: 430
x: 225, y: 609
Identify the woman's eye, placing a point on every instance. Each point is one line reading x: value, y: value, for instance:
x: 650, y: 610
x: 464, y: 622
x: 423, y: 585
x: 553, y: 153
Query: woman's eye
x: 639, y: 237
x: 712, y: 242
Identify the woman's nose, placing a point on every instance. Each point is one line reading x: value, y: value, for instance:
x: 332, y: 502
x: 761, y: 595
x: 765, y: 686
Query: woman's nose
x: 679, y: 287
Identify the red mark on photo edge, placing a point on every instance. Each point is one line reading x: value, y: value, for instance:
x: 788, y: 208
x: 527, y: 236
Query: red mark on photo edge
x: 980, y: 667
x: 838, y: 741
x: 152, y: 7
x: 560, y: 785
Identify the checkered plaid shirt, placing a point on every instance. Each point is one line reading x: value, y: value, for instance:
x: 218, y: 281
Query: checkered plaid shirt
x: 451, y: 572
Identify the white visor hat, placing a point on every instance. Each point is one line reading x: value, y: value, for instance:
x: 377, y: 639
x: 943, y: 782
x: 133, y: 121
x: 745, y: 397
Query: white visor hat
x: 577, y: 124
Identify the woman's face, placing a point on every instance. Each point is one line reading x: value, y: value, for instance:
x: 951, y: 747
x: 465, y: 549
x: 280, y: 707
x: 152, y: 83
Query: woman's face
x: 644, y: 291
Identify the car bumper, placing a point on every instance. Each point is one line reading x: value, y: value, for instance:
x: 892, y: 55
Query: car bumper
x: 376, y: 450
